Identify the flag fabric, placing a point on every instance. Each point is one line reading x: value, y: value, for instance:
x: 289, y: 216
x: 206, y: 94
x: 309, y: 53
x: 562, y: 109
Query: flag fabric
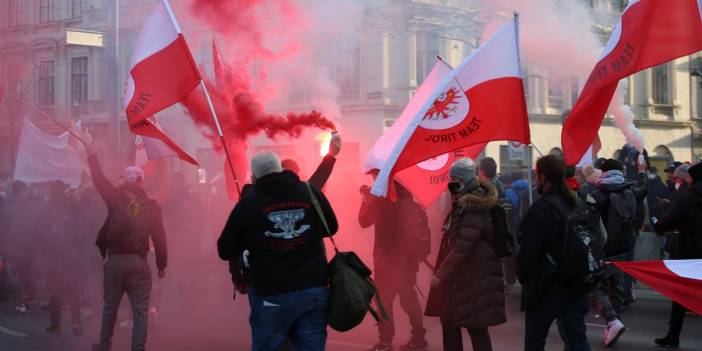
x: 428, y: 179
x: 162, y: 72
x: 480, y: 101
x: 679, y: 280
x: 42, y: 157
x: 650, y: 32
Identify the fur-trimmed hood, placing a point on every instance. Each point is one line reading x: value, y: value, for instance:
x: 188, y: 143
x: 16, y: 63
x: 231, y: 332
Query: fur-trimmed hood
x: 482, y: 197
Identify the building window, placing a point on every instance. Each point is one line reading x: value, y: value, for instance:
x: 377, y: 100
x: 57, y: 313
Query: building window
x: 427, y: 51
x: 348, y: 69
x: 76, y: 8
x: 46, y: 83
x: 696, y: 86
x: 660, y: 83
x: 46, y: 9
x: 14, y: 13
x: 555, y: 95
x: 574, y: 91
x: 79, y: 80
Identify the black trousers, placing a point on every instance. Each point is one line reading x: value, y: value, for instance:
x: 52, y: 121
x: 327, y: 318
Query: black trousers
x: 569, y: 307
x: 677, y: 317
x: 453, y: 341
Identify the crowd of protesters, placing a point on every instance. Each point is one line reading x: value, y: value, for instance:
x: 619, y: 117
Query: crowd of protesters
x: 273, y: 243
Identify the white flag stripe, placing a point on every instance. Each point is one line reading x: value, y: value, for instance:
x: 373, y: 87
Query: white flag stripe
x: 496, y: 57
x: 685, y: 268
x: 158, y: 32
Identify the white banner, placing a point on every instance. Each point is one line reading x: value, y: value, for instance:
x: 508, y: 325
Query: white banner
x: 43, y: 157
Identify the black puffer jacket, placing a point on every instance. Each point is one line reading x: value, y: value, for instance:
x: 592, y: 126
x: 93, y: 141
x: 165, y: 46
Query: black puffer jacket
x: 468, y: 264
x: 685, y: 216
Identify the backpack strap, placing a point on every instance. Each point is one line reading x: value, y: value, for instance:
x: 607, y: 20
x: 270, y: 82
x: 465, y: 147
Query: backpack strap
x: 557, y: 204
x: 320, y: 214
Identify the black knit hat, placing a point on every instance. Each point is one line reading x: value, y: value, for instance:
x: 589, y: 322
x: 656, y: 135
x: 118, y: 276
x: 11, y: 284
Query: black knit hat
x: 696, y: 172
x: 612, y: 165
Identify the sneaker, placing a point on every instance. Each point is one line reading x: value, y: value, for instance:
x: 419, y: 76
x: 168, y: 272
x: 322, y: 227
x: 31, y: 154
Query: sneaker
x: 54, y: 329
x: 382, y: 346
x: 415, y: 345
x: 668, y: 343
x: 613, y: 331
x: 22, y: 308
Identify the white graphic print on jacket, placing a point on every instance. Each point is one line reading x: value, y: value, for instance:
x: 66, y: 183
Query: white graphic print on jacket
x: 287, y: 221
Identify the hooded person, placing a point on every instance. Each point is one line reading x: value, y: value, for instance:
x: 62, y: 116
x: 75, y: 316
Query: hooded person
x: 133, y: 221
x: 402, y: 240
x: 617, y: 202
x: 684, y: 217
x: 468, y: 280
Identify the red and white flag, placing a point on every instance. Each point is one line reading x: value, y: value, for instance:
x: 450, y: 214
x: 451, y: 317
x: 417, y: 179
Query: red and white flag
x: 679, y: 280
x: 428, y: 179
x: 480, y: 101
x: 649, y: 33
x: 162, y: 72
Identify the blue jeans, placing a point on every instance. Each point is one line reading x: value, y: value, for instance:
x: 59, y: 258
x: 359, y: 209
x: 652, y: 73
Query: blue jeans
x: 300, y: 316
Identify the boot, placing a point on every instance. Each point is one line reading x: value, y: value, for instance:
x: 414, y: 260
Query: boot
x: 668, y: 342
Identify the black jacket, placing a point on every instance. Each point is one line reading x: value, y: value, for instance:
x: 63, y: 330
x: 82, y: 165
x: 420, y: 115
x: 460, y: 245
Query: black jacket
x: 277, y: 223
x: 686, y: 216
x: 115, y: 197
x: 541, y: 232
x: 401, y: 232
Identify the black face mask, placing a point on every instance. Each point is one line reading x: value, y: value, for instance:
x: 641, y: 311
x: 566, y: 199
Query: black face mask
x: 454, y: 188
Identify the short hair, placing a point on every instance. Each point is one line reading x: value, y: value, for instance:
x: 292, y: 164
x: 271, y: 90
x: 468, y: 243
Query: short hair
x: 488, y: 166
x: 264, y: 164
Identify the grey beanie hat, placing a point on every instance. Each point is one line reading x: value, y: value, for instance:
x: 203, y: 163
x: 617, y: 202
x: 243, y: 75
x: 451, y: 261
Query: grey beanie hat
x: 463, y: 169
x: 682, y: 172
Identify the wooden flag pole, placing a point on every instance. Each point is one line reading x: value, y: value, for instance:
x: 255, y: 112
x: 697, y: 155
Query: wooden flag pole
x: 47, y: 116
x: 221, y: 135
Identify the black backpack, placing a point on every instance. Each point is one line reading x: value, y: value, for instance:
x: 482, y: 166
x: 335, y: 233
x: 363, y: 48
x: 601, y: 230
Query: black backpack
x: 351, y: 289
x: 621, y: 219
x: 581, y: 261
x: 502, y: 238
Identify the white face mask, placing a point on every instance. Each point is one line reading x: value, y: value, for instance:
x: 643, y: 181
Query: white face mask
x: 678, y: 185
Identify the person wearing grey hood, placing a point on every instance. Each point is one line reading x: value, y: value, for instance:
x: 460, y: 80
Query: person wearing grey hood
x: 685, y: 217
x: 617, y: 202
x: 467, y: 290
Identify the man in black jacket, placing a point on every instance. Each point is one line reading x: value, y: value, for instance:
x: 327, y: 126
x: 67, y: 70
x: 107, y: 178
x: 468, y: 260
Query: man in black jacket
x: 402, y: 241
x: 546, y: 295
x: 617, y: 203
x: 685, y: 217
x: 133, y: 220
x: 279, y: 234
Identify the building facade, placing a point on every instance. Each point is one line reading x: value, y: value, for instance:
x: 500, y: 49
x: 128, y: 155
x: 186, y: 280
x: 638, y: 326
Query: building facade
x: 376, y: 72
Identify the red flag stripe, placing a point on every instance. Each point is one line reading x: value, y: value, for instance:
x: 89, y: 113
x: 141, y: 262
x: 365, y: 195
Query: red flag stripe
x: 683, y: 290
x: 650, y: 32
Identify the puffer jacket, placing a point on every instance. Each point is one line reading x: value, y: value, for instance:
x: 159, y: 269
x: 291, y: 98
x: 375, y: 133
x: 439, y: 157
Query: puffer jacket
x: 471, y: 268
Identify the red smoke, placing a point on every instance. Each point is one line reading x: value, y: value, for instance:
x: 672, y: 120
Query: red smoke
x: 241, y: 114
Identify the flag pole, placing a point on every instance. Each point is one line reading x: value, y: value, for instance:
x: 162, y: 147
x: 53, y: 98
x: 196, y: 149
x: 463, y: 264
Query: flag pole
x: 221, y: 135
x: 47, y: 116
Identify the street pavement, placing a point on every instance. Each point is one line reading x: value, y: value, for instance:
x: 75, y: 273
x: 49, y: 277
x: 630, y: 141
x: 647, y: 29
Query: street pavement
x: 226, y: 328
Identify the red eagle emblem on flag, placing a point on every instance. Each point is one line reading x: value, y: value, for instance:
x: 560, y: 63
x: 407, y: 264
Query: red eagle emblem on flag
x: 444, y: 106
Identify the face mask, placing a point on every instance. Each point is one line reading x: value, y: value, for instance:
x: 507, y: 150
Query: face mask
x: 454, y: 188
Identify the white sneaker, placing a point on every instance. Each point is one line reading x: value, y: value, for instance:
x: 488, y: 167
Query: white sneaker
x: 613, y: 331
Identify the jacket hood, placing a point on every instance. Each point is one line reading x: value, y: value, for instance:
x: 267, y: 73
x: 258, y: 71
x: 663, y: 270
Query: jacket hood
x: 276, y: 184
x: 520, y: 185
x: 482, y: 197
